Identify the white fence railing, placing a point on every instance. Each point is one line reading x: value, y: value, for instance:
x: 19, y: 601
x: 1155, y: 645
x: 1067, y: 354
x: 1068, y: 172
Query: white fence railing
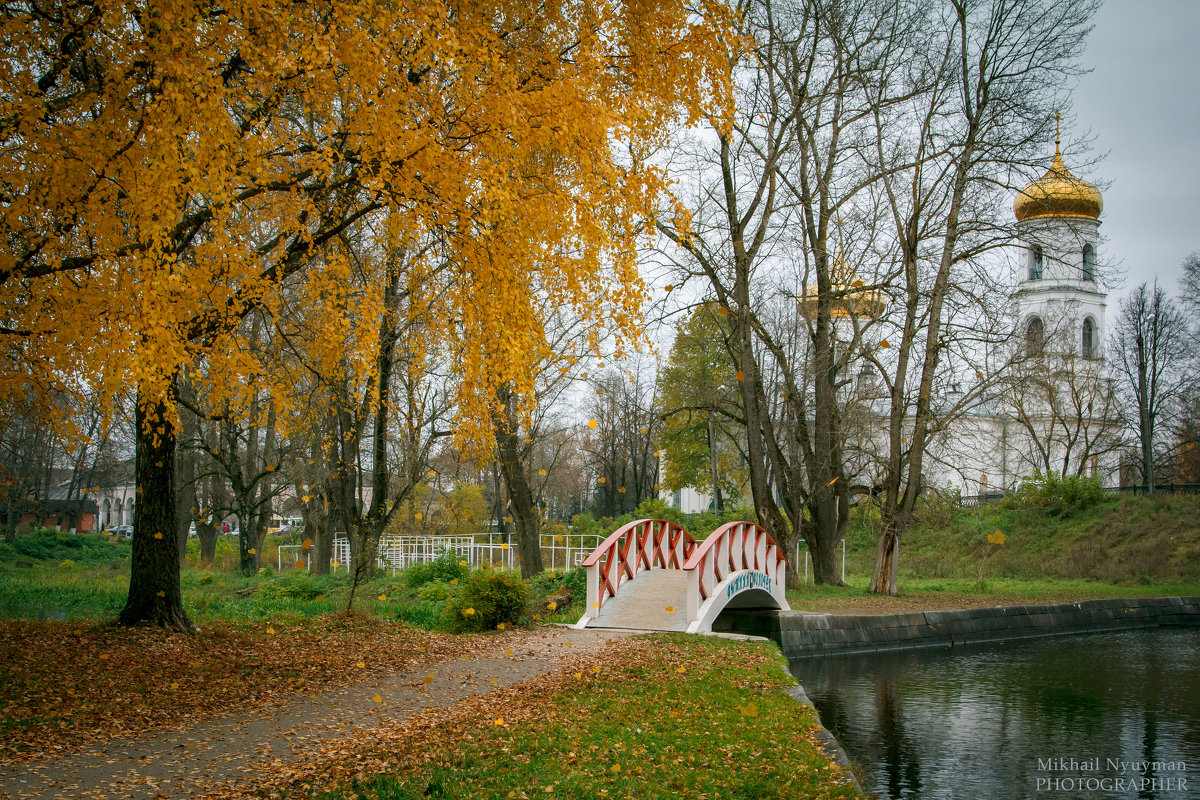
x: 559, y: 551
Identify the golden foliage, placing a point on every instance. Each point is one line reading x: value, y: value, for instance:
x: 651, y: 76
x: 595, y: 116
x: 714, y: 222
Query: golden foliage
x: 165, y: 173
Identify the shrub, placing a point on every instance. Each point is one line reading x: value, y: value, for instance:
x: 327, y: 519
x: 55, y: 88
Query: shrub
x: 295, y: 587
x: 489, y: 598
x: 48, y: 544
x: 438, y: 591
x: 445, y: 568
x: 1059, y: 496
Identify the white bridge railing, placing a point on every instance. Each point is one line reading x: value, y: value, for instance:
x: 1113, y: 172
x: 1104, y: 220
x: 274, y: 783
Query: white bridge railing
x: 559, y: 551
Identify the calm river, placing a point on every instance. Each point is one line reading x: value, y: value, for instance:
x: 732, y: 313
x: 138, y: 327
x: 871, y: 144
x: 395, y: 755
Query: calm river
x: 1106, y: 715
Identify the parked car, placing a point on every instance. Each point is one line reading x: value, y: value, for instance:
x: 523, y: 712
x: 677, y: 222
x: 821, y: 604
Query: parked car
x: 123, y: 530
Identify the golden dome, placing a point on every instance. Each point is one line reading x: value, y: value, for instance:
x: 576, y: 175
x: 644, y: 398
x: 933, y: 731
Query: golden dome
x: 1058, y: 193
x: 849, y: 296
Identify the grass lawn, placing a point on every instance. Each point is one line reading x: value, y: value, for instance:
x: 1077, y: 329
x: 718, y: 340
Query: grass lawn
x: 672, y: 716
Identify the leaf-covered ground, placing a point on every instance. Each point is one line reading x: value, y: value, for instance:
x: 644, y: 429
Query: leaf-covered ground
x: 64, y: 685
x: 668, y: 716
x: 541, y: 713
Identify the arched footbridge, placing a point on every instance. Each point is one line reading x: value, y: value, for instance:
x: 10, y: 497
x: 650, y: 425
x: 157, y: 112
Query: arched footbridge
x: 652, y: 575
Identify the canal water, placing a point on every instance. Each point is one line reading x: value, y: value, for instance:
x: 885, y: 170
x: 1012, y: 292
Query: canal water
x: 1103, y: 715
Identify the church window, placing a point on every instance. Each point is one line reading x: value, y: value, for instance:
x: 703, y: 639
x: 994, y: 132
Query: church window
x: 1035, y: 333
x: 1089, y: 262
x: 1089, y: 338
x: 1036, y: 260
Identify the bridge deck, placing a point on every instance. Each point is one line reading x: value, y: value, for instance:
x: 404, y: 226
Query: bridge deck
x: 642, y: 603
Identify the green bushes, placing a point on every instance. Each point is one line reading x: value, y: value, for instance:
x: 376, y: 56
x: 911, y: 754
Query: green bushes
x: 445, y: 568
x: 1059, y: 496
x: 299, y: 586
x: 48, y: 544
x: 490, y: 597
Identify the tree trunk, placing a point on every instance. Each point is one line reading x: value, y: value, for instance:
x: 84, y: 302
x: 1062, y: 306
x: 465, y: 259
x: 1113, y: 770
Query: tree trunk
x: 207, y: 533
x: 520, y: 497
x: 155, y: 595
x: 316, y: 531
x: 887, y: 560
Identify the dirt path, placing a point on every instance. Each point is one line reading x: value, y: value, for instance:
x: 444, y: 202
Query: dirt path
x: 190, y: 762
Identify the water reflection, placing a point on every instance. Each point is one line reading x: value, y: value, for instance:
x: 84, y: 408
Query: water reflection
x: 1060, y: 717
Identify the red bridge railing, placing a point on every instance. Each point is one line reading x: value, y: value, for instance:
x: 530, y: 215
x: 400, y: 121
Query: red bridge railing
x: 638, y: 546
x: 732, y: 547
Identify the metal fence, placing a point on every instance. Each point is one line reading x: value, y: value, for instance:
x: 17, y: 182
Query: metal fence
x: 559, y: 551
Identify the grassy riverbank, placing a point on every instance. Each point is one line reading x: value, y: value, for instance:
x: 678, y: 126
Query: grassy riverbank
x: 669, y: 716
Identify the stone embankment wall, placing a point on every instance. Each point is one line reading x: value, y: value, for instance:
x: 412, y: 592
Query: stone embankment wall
x: 800, y: 634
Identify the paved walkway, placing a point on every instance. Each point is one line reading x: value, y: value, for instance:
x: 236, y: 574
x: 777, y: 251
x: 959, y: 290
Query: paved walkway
x: 185, y: 763
x: 655, y: 600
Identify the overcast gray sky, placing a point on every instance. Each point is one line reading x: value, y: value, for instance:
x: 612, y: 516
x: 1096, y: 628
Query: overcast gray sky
x: 1141, y: 104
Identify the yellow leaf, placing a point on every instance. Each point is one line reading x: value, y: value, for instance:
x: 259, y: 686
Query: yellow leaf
x: 468, y: 612
x: 542, y: 472
x: 319, y: 597
x: 996, y: 538
x: 378, y: 698
x: 551, y: 605
x: 161, y: 593
x: 749, y: 710
x: 499, y: 720
x: 670, y: 609
x: 454, y: 581
x: 270, y: 630
x: 504, y: 546
x: 592, y: 424
x: 300, y: 564
x: 361, y: 665
x: 251, y: 551
x: 681, y: 670
x: 158, y: 535
x: 741, y: 376
x: 615, y: 768
x: 602, y: 479
x: 578, y: 674
x: 884, y: 343
x: 461, y: 564
x: 381, y: 597
x: 508, y: 652
x: 306, y: 544
x: 670, y: 287
x: 418, y: 515
x: 428, y: 678
x: 621, y: 490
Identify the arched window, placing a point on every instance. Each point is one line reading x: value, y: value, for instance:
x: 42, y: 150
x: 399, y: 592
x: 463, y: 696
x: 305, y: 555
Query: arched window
x: 1089, y: 338
x: 1089, y: 262
x: 1035, y: 336
x: 1036, y: 260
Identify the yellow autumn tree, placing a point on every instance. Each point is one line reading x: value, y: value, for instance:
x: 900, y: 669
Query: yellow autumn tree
x: 165, y: 169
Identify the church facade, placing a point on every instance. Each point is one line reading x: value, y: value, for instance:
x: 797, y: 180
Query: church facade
x: 1055, y: 411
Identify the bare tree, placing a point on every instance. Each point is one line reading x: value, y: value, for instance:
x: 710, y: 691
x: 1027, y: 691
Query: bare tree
x: 1150, y: 348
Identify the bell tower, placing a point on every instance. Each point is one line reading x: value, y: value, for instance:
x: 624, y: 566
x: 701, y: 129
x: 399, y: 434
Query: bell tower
x: 1058, y: 303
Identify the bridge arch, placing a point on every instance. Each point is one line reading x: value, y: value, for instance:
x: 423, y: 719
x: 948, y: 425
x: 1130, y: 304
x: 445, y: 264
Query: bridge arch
x: 738, y: 566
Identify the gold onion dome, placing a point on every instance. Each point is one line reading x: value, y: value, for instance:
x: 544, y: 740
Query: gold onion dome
x: 849, y: 296
x: 1058, y: 193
